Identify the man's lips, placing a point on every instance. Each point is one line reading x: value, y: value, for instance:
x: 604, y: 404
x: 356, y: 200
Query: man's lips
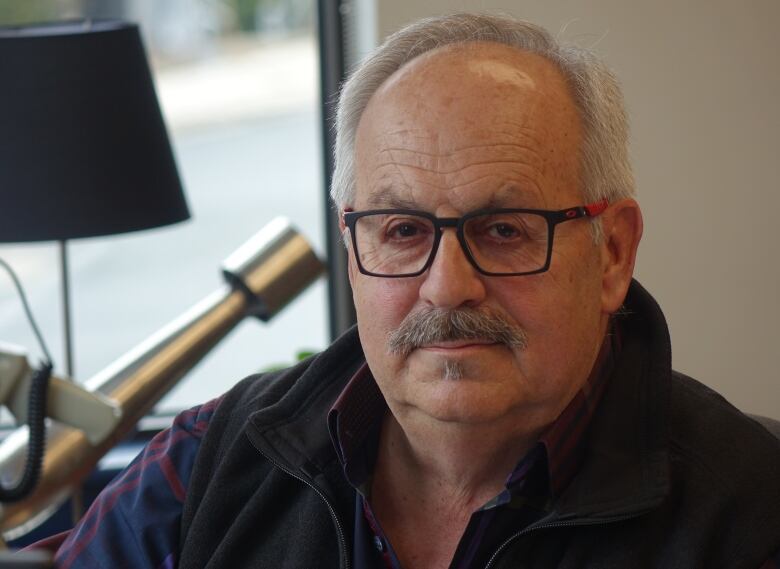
x: 458, y: 344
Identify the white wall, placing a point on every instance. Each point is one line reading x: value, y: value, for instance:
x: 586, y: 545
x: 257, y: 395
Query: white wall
x: 702, y: 84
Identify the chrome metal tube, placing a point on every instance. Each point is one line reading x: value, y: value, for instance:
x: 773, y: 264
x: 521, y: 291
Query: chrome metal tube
x: 267, y: 273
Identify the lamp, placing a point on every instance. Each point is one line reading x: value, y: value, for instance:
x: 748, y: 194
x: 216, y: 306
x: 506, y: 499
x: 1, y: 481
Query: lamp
x: 83, y: 147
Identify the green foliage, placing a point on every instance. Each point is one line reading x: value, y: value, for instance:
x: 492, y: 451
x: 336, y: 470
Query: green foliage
x: 299, y: 356
x: 256, y: 15
x: 245, y: 13
x: 15, y: 12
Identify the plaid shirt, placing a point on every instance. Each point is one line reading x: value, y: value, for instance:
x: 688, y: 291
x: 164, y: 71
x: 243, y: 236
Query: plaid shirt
x: 134, y: 522
x: 540, y: 476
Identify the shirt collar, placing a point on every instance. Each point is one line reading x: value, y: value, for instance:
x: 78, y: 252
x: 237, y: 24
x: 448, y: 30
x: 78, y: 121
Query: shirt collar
x: 564, y: 439
x: 355, y: 420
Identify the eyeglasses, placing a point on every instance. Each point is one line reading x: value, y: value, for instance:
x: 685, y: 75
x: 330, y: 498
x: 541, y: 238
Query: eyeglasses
x: 497, y: 242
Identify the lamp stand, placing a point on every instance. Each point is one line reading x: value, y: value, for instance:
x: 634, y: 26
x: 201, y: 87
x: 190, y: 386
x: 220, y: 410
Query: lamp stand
x: 77, y: 498
x: 66, y: 321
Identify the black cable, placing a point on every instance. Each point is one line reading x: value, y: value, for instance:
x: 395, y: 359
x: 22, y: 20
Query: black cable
x: 26, y: 307
x: 36, y: 446
x: 36, y: 410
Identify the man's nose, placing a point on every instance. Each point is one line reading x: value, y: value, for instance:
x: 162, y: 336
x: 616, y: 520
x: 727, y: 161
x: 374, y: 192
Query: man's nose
x: 451, y: 280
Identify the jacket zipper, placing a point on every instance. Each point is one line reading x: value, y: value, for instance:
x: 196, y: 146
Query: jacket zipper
x: 510, y: 539
x: 491, y: 561
x: 321, y: 494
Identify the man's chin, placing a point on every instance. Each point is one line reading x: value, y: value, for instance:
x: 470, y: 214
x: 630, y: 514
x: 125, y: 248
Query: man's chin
x: 463, y: 401
x: 456, y: 390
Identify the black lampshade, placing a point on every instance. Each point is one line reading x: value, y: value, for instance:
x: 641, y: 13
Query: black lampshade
x: 83, y: 146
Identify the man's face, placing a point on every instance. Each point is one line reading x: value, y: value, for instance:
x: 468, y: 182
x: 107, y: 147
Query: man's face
x: 457, y: 130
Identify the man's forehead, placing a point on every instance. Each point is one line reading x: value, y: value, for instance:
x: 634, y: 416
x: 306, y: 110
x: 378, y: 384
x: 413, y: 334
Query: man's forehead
x: 500, y: 71
x: 510, y: 195
x: 488, y: 90
x: 465, y: 120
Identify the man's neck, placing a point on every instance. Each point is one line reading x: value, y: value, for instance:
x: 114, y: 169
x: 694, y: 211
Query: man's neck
x: 429, y: 484
x: 468, y: 463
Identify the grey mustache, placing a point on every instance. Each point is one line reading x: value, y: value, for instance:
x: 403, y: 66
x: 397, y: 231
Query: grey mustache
x: 442, y: 325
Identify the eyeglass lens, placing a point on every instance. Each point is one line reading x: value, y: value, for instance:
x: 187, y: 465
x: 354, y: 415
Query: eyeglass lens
x: 399, y: 244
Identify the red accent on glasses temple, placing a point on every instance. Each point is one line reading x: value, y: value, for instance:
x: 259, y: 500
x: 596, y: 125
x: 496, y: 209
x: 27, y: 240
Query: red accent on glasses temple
x: 595, y: 209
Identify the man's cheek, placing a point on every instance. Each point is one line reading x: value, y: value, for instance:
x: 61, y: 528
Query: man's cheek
x: 390, y: 298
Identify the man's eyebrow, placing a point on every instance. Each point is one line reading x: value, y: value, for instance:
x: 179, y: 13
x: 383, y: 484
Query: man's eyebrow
x: 386, y: 198
x: 509, y: 196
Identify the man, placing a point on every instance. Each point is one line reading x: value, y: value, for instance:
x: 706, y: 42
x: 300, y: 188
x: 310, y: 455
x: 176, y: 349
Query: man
x: 507, y: 399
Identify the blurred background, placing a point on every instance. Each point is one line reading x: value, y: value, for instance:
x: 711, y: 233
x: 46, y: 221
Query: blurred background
x: 702, y: 85
x: 238, y: 86
x: 238, y: 82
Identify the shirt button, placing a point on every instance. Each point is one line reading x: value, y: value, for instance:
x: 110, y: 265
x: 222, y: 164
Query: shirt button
x: 380, y: 546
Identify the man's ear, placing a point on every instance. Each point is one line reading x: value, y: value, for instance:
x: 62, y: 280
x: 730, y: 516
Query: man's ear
x: 346, y: 242
x: 622, y: 223
x: 342, y: 227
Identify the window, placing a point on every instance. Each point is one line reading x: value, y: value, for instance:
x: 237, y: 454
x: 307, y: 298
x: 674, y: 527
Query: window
x: 237, y: 81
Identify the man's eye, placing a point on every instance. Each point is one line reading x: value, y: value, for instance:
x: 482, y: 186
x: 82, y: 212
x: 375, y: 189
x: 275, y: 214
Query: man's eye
x: 403, y: 230
x: 504, y: 231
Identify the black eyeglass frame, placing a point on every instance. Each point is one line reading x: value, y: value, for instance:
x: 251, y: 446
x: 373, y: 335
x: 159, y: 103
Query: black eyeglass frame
x: 553, y: 218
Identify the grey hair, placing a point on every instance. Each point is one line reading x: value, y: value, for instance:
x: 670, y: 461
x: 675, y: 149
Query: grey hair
x: 605, y: 165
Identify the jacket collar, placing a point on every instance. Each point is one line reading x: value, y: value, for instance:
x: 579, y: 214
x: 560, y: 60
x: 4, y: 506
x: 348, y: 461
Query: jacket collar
x: 290, y: 426
x: 625, y: 470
